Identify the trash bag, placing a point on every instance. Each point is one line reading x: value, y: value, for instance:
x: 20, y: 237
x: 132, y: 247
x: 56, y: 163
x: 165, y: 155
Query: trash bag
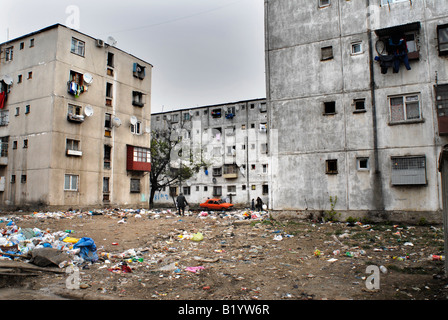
x: 87, y: 249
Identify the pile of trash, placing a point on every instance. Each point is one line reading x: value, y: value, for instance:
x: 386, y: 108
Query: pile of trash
x: 44, y: 248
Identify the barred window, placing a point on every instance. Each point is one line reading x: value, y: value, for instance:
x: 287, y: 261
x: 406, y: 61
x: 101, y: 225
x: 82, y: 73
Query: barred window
x: 408, y: 170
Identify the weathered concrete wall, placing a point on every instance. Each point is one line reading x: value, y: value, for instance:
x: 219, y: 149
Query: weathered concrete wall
x: 299, y: 83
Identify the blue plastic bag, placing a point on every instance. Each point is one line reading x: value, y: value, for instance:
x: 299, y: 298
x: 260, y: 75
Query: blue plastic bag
x: 87, y: 249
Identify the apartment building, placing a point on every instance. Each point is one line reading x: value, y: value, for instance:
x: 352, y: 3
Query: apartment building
x: 356, y: 94
x: 74, y: 122
x: 232, y: 139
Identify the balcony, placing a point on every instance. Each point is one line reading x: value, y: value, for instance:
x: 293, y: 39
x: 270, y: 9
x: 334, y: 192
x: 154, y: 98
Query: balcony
x: 230, y: 171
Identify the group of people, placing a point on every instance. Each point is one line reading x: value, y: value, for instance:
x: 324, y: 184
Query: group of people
x: 181, y: 203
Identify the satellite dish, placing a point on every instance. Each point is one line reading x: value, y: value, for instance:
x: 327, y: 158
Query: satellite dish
x: 8, y: 80
x: 88, y: 111
x: 191, y: 112
x: 133, y: 120
x: 148, y: 129
x: 88, y: 78
x: 214, y: 180
x: 111, y: 41
x: 168, y: 117
x: 116, y: 121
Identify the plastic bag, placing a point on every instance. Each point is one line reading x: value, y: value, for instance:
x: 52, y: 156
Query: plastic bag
x: 87, y: 249
x: 197, y: 237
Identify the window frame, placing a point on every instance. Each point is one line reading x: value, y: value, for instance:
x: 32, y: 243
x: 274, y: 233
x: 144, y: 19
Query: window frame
x: 405, y: 104
x: 70, y: 181
x: 439, y: 43
x: 329, y: 169
x: 400, y: 180
x: 75, y: 47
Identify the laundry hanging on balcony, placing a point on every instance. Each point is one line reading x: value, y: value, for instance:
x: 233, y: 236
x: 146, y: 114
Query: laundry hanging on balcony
x: 397, y: 54
x: 76, y: 89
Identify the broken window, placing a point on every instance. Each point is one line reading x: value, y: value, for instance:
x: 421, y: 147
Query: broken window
x: 408, y: 170
x: 139, y: 71
x: 331, y: 166
x: 137, y: 99
x: 404, y: 108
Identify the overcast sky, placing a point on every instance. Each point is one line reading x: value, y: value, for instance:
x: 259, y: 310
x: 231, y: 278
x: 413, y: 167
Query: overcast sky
x: 204, y: 52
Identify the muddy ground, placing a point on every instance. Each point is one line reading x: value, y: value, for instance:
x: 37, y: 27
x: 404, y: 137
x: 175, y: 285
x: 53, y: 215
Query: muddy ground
x: 264, y: 259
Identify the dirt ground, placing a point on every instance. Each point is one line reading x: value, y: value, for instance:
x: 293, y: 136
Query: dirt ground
x: 265, y: 259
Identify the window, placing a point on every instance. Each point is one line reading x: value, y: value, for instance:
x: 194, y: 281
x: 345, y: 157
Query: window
x: 71, y: 182
x: 136, y: 128
x: 31, y: 43
x: 404, y: 108
x: 360, y: 105
x: 216, y: 113
x: 356, y: 48
x: 217, y: 191
x: 442, y: 37
x: 265, y: 168
x: 23, y: 178
x: 217, y: 172
x: 110, y: 59
x: 107, y: 156
x: 329, y: 107
x: 9, y: 52
x: 231, y: 189
x: 254, y: 187
x: 27, y: 109
x: 142, y: 155
x: 19, y: 79
x: 72, y: 145
x: 4, y: 143
x: 25, y: 143
x: 14, y: 144
x: 408, y: 170
x: 74, y: 110
x: 263, y: 107
x: 109, y: 90
x: 78, y: 47
x: 403, y: 39
x: 137, y: 99
x: 22, y: 45
x: 187, y: 191
x: 106, y: 188
x: 186, y: 116
x: 362, y: 164
x: 327, y: 53
x: 13, y: 178
x: 30, y: 75
x: 324, y: 3
x: 331, y: 166
x: 108, y: 120
x: 17, y: 111
x: 139, y: 71
x: 135, y: 185
x: 265, y: 189
x: 4, y: 117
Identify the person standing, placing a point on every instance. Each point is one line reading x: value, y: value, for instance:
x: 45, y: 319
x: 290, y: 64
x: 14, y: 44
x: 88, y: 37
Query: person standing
x: 259, y: 204
x: 181, y: 204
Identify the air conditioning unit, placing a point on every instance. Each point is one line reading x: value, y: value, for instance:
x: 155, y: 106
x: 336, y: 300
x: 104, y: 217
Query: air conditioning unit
x: 99, y: 43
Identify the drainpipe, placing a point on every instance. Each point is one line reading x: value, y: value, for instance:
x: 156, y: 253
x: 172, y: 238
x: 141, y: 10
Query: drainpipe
x: 377, y: 182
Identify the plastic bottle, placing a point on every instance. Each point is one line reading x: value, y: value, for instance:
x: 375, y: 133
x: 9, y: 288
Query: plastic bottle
x: 383, y: 269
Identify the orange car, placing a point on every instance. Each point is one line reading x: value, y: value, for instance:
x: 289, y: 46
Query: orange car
x: 216, y: 204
